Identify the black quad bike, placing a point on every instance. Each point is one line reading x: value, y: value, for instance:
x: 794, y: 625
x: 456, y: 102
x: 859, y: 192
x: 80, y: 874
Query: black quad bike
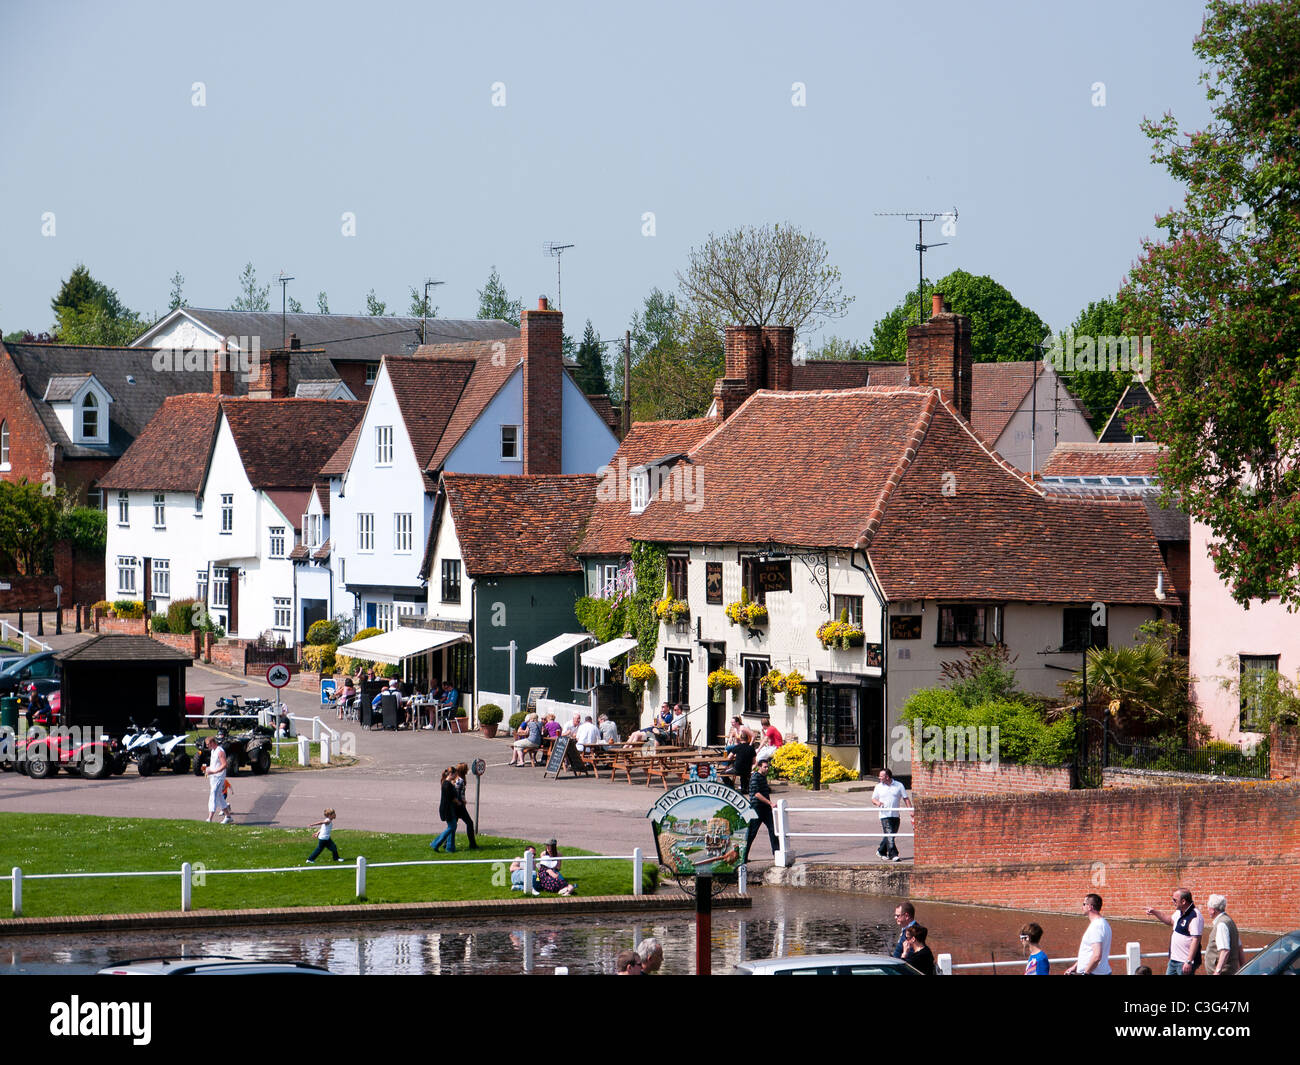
x: 252, y: 748
x: 236, y: 712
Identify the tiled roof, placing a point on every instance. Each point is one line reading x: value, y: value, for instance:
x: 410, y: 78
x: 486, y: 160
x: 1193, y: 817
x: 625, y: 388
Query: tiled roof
x: 292, y: 503
x: 494, y: 362
x: 607, y: 532
x: 427, y: 392
x: 323, y: 552
x: 122, y: 648
x: 63, y: 387
x: 171, y: 454
x: 337, y: 464
x: 322, y: 389
x: 343, y: 336
x: 300, y: 553
x: 898, y: 473
x: 1103, y: 460
x: 519, y: 524
x: 816, y: 375
x: 283, y: 443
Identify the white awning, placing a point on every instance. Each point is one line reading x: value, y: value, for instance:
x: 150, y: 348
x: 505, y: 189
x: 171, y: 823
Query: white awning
x: 600, y: 657
x: 394, y: 646
x: 545, y: 654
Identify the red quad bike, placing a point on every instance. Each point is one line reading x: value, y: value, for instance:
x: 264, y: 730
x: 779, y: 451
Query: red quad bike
x: 43, y: 755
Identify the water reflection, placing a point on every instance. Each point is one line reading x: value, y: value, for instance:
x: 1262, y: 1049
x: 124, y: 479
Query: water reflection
x: 782, y: 921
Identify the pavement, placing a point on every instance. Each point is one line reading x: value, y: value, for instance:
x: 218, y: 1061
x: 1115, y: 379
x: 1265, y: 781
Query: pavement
x: 394, y: 787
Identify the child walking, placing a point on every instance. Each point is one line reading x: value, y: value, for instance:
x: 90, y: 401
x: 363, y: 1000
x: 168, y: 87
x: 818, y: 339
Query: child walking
x: 323, y: 841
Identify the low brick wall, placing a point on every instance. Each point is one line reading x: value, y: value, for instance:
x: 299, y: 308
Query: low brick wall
x: 122, y: 626
x: 1284, y: 755
x: 226, y: 653
x: 1130, y: 845
x: 934, y: 780
x: 189, y: 643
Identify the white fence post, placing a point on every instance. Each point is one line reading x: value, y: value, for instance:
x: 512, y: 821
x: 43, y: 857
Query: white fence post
x: 1133, y: 956
x: 18, y: 891
x: 945, y: 965
x: 361, y: 877
x: 315, y: 730
x: 636, y: 870
x: 528, y: 873
x: 187, y: 885
x: 742, y: 881
x: 304, y: 751
x: 784, y: 857
x: 324, y: 750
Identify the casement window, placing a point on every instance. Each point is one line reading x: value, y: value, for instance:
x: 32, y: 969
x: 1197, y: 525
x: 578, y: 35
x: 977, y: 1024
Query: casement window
x: 311, y: 524
x: 4, y: 445
x: 638, y: 490
x: 509, y: 442
x: 754, y: 670
x: 198, y: 506
x: 749, y: 582
x: 384, y: 616
x: 227, y: 514
x: 201, y: 586
x: 124, y: 508
x: 365, y: 532
x: 283, y: 613
x: 383, y: 445
x: 838, y: 715
x: 1258, y: 675
x: 95, y: 498
x: 1078, y: 631
x: 679, y: 678
x: 372, y: 372
x: 608, y: 581
x: 90, y: 417
x: 851, y: 603
x: 402, y: 533
x: 451, y: 580
x: 126, y: 574
x: 970, y: 625
x: 162, y: 578
x: 277, y: 541
x: 220, y: 586
x: 677, y: 576
x: 159, y: 511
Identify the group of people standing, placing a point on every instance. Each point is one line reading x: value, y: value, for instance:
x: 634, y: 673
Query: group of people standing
x: 452, y: 808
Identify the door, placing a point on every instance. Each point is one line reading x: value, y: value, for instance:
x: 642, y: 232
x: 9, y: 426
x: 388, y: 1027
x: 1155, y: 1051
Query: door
x: 717, y: 706
x: 872, y: 734
x: 372, y: 615
x: 313, y: 610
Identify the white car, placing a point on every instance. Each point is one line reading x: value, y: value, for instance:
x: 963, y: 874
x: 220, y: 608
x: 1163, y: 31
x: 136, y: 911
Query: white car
x: 212, y: 966
x: 827, y: 965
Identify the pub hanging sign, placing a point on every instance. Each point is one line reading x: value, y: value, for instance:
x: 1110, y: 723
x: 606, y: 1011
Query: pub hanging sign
x: 772, y: 575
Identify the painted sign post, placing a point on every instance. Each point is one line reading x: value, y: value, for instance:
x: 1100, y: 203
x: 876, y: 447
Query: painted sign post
x: 277, y: 676
x: 477, y: 768
x: 701, y: 831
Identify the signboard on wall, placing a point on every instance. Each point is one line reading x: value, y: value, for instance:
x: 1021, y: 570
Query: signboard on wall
x: 772, y: 575
x: 905, y: 627
x: 713, y: 583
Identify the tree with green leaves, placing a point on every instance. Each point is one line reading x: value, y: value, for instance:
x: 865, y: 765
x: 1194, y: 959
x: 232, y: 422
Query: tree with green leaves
x: 1098, y: 389
x: 495, y: 302
x: 253, y: 297
x: 837, y: 349
x: 421, y: 305
x: 89, y: 312
x: 28, y: 518
x: 590, y: 374
x: 322, y: 303
x: 375, y: 306
x: 177, y: 297
x: 675, y: 360
x: 1218, y: 297
x: 1002, y: 329
x: 294, y: 306
x: 762, y: 275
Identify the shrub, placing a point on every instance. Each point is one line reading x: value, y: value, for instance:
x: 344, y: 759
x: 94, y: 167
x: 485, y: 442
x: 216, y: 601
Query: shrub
x: 1024, y: 736
x: 490, y: 714
x: 794, y: 762
x: 605, y: 618
x: 365, y: 634
x: 128, y: 608
x: 323, y: 632
x: 181, y: 615
x: 388, y: 671
x: 517, y: 719
x: 319, y: 658
x: 158, y: 623
x: 103, y: 606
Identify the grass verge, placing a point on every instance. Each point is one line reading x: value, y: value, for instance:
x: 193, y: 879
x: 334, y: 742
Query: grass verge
x: 83, y: 843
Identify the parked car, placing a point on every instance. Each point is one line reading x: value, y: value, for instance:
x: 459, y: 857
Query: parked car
x: 1279, y: 958
x: 8, y: 658
x: 40, y: 667
x: 827, y: 965
x: 212, y: 965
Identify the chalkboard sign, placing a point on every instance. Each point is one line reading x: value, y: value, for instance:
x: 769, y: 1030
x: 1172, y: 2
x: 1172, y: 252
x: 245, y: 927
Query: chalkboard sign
x: 564, y: 752
x: 533, y: 695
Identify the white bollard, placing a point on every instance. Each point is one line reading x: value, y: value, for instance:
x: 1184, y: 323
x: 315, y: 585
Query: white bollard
x: 561, y: 970
x: 18, y: 891
x: 361, y: 877
x: 636, y: 871
x: 742, y: 880
x: 187, y: 886
x: 1133, y: 956
x: 784, y: 857
x: 324, y: 750
x: 945, y: 965
x: 528, y: 874
x: 315, y: 729
x: 304, y: 751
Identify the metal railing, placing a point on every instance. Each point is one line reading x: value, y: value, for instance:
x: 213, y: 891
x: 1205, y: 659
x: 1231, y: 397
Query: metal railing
x: 13, y: 632
x: 1222, y: 760
x: 783, y: 833
x: 1132, y: 958
x: 361, y: 867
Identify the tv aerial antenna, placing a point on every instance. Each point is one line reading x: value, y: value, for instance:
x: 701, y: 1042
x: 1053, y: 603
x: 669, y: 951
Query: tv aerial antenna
x: 553, y: 248
x: 920, y: 218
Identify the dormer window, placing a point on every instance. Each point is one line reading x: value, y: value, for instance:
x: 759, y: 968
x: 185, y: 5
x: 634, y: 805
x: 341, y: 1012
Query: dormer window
x: 90, y: 417
x: 639, y: 490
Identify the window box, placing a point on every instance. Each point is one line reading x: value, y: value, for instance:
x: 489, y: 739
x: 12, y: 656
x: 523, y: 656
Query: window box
x: 672, y: 610
x: 750, y: 615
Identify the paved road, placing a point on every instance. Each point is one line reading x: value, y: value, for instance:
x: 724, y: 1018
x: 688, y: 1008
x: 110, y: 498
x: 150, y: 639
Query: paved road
x: 394, y: 788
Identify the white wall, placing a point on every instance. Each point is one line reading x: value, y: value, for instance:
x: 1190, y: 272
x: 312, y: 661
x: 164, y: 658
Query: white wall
x: 479, y: 450
x: 447, y: 546
x: 1053, y: 409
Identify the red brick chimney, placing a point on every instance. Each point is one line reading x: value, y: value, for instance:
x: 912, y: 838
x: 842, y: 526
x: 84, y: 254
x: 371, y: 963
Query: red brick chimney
x: 223, y: 373
x: 755, y: 357
x: 272, y: 377
x: 939, y: 355
x: 542, y: 334
x: 778, y: 356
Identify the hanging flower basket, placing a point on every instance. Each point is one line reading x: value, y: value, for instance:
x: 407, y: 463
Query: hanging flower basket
x: 751, y: 615
x: 722, y: 681
x: 672, y: 610
x: 640, y: 674
x: 840, y: 635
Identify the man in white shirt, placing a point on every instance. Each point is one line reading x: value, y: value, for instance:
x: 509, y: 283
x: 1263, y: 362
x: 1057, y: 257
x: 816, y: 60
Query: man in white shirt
x: 1223, y: 954
x: 1185, y: 942
x: 571, y: 729
x: 1094, y: 948
x: 891, y: 797
x: 587, y: 734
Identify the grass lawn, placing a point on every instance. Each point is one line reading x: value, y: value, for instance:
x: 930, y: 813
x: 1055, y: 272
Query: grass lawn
x: 82, y: 843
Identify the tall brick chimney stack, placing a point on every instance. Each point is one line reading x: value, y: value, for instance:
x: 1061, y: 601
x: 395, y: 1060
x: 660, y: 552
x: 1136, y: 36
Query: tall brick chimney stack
x: 272, y: 377
x: 778, y: 357
x: 542, y: 334
x: 223, y: 373
x: 939, y: 355
x: 742, y: 373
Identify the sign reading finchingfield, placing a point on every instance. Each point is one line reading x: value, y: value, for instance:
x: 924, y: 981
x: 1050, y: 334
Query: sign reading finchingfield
x: 1117, y: 354
x: 241, y: 353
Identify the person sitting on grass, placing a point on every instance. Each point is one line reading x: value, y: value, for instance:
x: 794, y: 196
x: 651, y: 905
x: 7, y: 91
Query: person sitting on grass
x: 323, y: 840
x: 517, y: 872
x: 548, y: 872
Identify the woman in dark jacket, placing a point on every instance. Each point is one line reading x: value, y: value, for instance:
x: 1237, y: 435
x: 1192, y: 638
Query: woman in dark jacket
x: 447, y: 810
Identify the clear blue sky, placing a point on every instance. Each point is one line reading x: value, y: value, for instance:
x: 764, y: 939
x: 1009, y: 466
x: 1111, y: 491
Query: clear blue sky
x: 612, y: 110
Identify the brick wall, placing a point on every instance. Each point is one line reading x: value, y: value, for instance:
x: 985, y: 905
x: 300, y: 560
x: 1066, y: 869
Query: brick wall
x: 1130, y: 845
x: 189, y: 643
x: 126, y: 626
x: 943, y: 779
x: 542, y: 335
x: 29, y: 441
x: 1284, y: 755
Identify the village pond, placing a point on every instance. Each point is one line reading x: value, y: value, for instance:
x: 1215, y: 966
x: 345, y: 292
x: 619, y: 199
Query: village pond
x: 782, y: 921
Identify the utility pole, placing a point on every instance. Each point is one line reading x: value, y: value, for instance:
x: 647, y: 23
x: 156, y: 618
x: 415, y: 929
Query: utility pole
x: 424, y: 310
x: 284, y: 280
x: 627, y: 382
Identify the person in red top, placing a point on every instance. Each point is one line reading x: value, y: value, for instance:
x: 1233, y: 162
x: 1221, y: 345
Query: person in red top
x: 771, y: 737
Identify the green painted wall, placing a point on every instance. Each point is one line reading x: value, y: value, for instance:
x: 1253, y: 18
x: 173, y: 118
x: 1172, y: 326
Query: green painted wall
x: 534, y: 610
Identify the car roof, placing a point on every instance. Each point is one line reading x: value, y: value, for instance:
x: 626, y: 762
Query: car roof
x: 812, y: 961
x: 28, y: 658
x: 212, y: 966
